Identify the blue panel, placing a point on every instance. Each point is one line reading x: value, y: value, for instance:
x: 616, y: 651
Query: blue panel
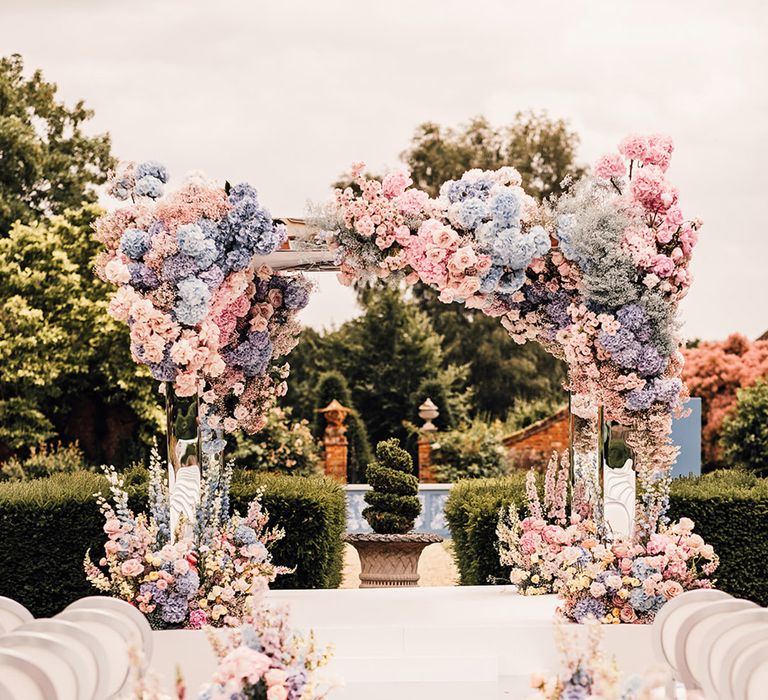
x: 686, y: 434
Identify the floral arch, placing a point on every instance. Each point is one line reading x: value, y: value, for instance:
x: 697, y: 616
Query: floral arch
x: 595, y: 276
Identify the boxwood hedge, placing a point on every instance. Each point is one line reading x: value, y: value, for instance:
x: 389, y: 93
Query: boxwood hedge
x: 729, y: 507
x: 46, y: 526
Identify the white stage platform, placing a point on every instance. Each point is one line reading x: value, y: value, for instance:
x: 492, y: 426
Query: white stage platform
x: 474, y: 642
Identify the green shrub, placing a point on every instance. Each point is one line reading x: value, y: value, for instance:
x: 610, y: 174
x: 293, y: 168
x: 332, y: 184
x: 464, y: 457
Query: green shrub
x: 312, y: 511
x: 473, y: 451
x: 472, y: 511
x: 46, y: 526
x: 730, y: 509
x: 393, y: 501
x: 744, y: 435
x: 45, y: 460
x: 283, y: 445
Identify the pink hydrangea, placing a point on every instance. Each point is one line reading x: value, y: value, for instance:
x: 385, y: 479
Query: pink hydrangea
x: 241, y: 666
x: 633, y: 147
x: 395, y: 184
x: 610, y: 165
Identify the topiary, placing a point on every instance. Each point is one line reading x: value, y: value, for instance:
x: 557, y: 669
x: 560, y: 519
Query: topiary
x: 393, y: 502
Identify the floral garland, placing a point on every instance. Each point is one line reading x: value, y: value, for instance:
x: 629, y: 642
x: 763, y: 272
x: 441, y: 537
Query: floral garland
x: 596, y: 276
x: 609, y: 582
x: 212, y: 575
x: 200, y: 315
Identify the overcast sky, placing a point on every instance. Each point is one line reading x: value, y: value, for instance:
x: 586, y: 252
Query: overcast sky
x: 286, y: 95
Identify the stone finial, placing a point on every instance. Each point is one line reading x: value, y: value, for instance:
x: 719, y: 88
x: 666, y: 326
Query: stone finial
x: 428, y: 411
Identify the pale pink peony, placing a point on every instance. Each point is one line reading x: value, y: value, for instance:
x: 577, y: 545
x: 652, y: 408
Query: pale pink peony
x: 663, y: 266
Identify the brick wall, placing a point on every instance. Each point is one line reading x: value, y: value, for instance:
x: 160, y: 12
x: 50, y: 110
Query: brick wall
x: 533, y: 446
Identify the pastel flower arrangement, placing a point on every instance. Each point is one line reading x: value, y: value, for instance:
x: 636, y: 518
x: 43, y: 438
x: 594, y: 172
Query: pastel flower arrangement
x: 209, y: 574
x: 587, y: 673
x: 629, y: 582
x: 201, y: 314
x: 596, y: 276
x: 531, y: 546
x: 265, y: 658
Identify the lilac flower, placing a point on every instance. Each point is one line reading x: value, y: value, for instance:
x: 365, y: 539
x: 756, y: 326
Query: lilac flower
x: 296, y: 295
x: 253, y: 355
x: 177, y: 267
x: 213, y: 277
x: 143, y: 278
x: 650, y: 362
x: 174, y: 611
x: 134, y: 243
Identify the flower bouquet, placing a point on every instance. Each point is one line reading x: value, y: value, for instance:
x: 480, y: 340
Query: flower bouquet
x: 630, y: 581
x: 211, y: 575
x: 264, y: 658
x: 201, y: 315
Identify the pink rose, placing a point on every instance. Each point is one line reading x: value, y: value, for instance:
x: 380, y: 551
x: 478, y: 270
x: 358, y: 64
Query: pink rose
x: 275, y: 676
x: 112, y: 527
x: 610, y: 165
x: 131, y: 567
x: 230, y: 424
x: 627, y: 613
x: 117, y: 272
x: 111, y: 547
x: 670, y: 589
x: 275, y: 297
x: 277, y: 692
x: 186, y: 384
x: 197, y: 619
x: 463, y: 258
x: 161, y: 584
x: 663, y: 266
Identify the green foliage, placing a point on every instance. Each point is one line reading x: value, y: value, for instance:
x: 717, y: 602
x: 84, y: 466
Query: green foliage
x: 45, y: 460
x: 282, y: 445
x: 68, y: 373
x: 385, y: 355
x: 525, y: 413
x: 730, y: 509
x: 49, y: 162
x: 46, y: 526
x: 472, y: 511
x: 472, y: 451
x: 541, y: 148
x: 744, y: 435
x: 312, y: 511
x: 393, y: 502
x: 333, y: 385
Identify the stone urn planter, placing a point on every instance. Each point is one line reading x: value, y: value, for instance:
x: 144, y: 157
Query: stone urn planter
x: 390, y: 560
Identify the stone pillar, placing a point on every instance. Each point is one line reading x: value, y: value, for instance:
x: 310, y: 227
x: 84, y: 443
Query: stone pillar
x: 427, y: 412
x: 335, y: 441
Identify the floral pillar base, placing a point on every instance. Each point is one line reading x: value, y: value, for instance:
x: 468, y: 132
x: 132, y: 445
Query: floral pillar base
x: 584, y: 453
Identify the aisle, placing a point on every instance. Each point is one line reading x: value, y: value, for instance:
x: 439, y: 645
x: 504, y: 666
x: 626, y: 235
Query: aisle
x: 440, y: 643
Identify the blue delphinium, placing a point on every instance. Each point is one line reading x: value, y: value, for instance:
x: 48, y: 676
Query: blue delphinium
x: 245, y: 535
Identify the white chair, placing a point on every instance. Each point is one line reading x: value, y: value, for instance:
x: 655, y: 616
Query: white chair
x: 23, y: 678
x: 12, y: 614
x: 94, y: 664
x: 121, y: 607
x: 61, y: 661
x: 696, y: 633
x: 116, y: 635
x: 728, y: 644
x: 671, y: 617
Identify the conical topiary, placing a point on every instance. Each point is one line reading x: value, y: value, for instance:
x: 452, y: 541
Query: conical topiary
x: 393, y: 502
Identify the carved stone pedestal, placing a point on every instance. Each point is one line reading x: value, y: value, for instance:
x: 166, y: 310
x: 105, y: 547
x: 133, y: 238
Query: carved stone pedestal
x: 390, y: 560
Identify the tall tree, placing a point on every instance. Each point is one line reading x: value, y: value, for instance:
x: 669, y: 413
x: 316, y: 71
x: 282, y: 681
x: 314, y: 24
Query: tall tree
x: 47, y: 162
x: 541, y: 148
x: 67, y: 370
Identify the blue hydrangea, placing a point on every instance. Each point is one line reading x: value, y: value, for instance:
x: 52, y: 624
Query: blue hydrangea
x: 642, y: 570
x: 193, y: 241
x: 151, y: 168
x: 505, y: 209
x: 640, y: 600
x: 250, y: 638
x: 472, y: 213
x: 149, y: 186
x: 588, y: 608
x: 187, y: 584
x: 245, y: 535
x: 193, y: 291
x: 540, y: 240
x: 134, y: 243
x: 242, y: 191
x: 175, y: 609
x: 296, y: 295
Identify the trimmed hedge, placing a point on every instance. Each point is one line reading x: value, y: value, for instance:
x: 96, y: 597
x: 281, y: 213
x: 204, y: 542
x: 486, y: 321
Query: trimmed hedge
x: 730, y: 509
x: 47, y: 525
x: 472, y: 511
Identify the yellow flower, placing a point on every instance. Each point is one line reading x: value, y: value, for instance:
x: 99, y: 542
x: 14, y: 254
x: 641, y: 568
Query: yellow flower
x: 623, y: 594
x: 615, y: 612
x: 203, y: 603
x: 535, y: 578
x: 153, y: 575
